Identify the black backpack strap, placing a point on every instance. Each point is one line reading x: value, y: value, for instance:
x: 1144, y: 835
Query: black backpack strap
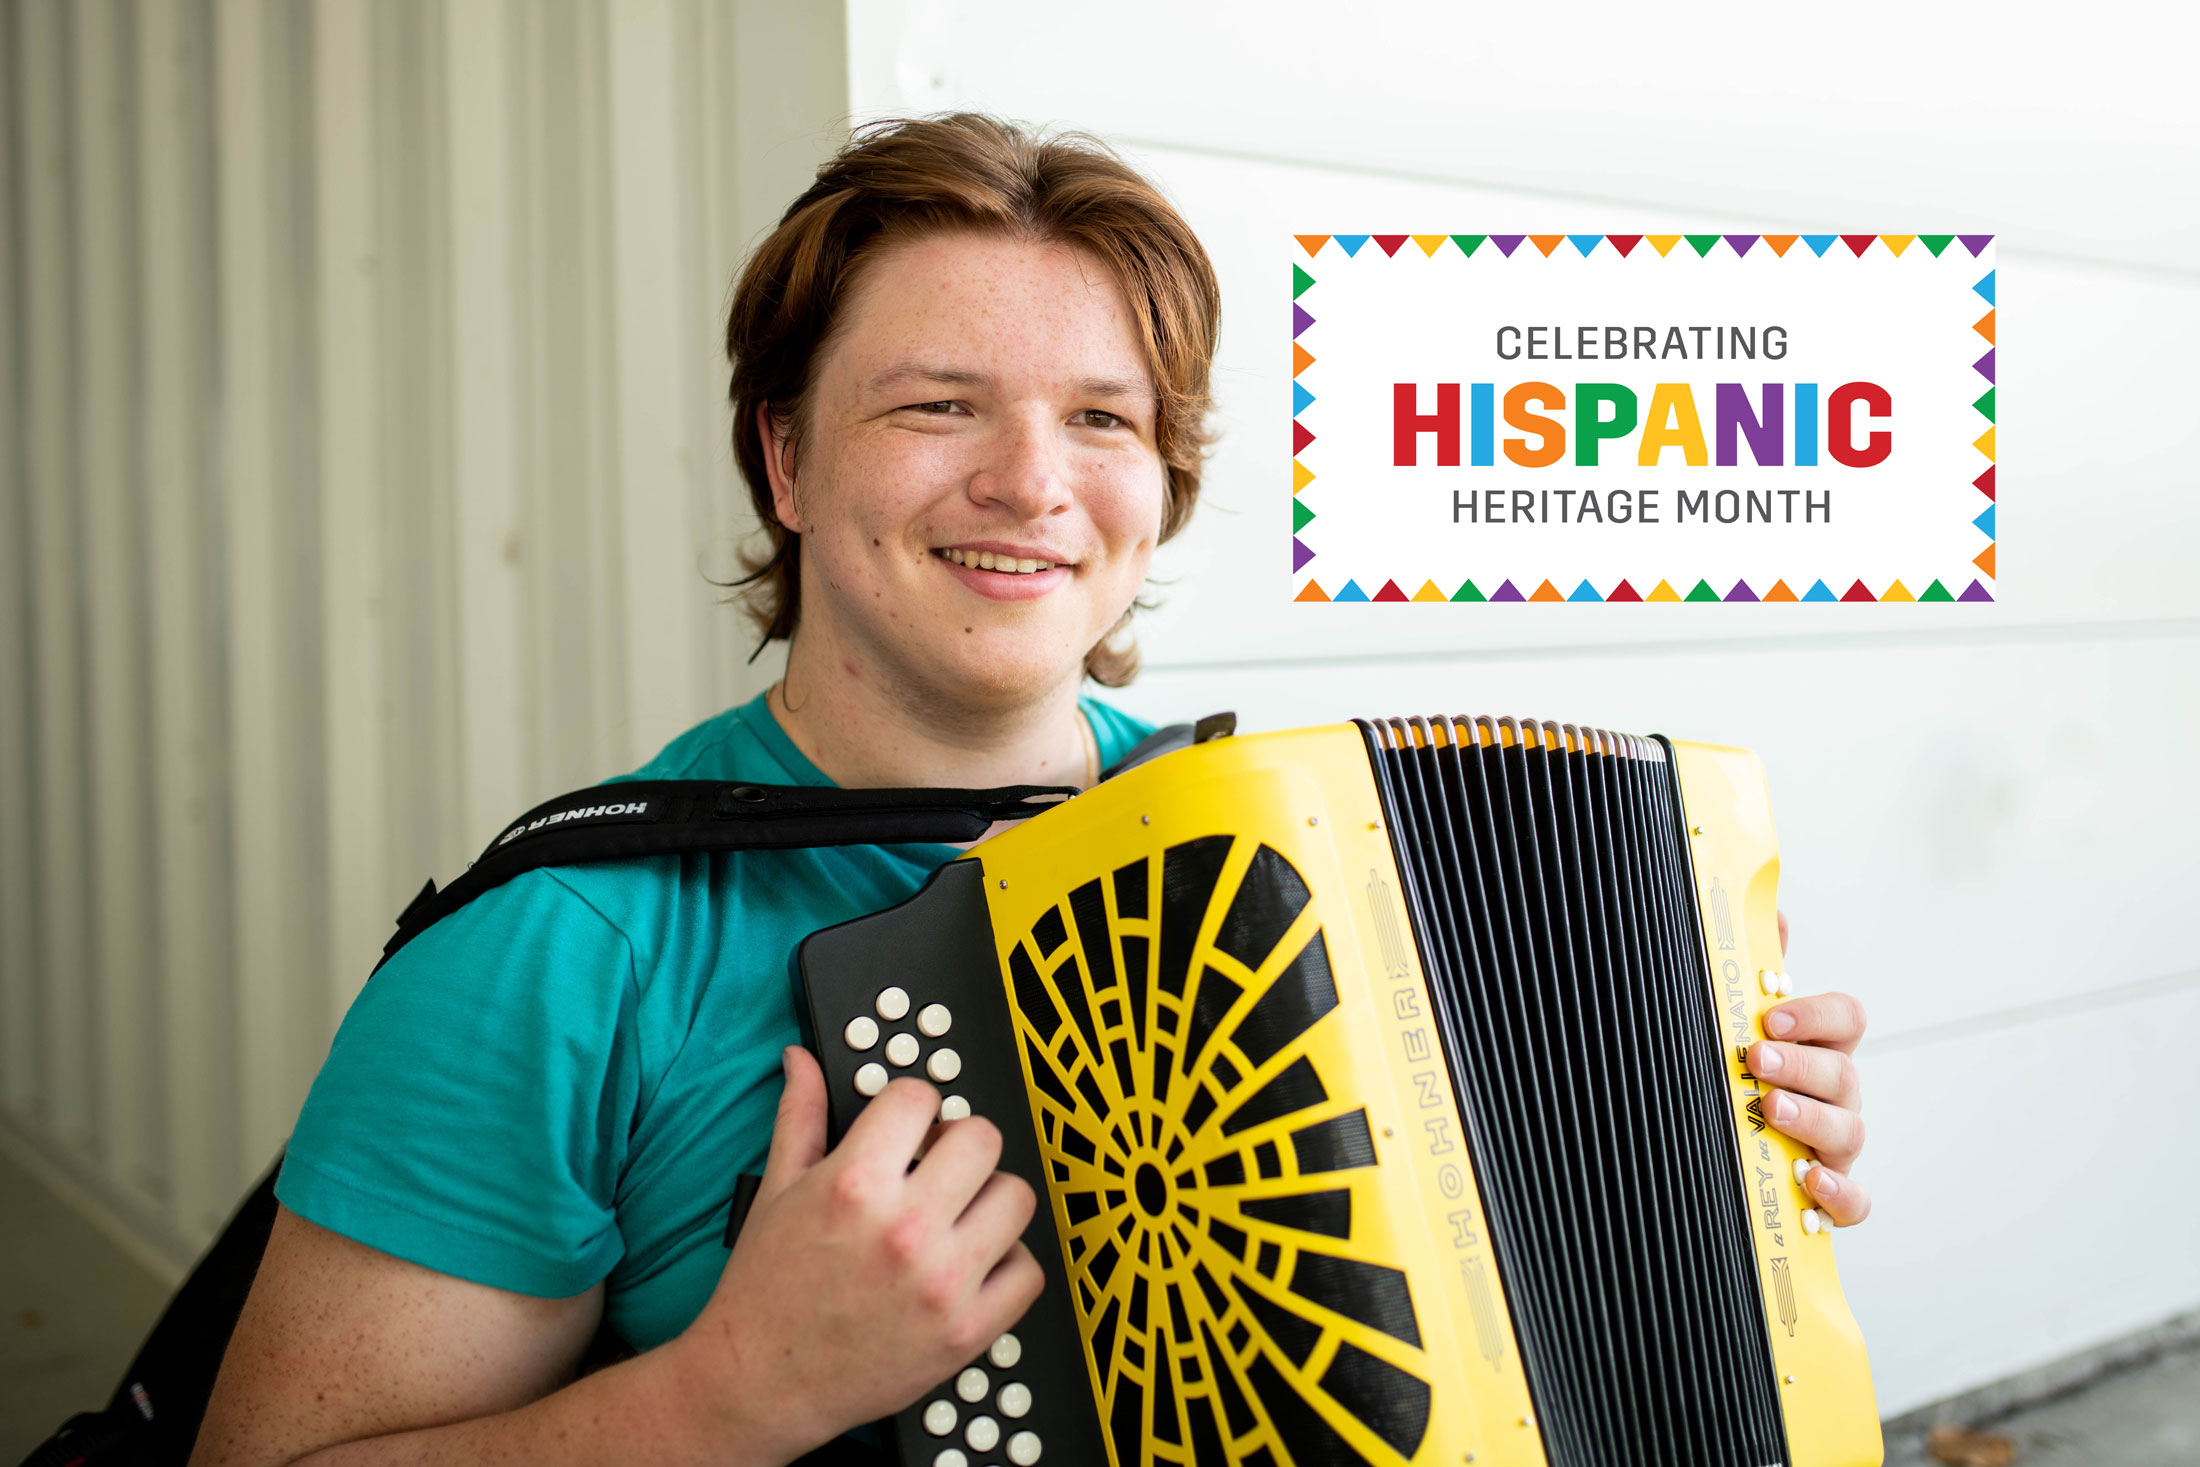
x: 634, y: 818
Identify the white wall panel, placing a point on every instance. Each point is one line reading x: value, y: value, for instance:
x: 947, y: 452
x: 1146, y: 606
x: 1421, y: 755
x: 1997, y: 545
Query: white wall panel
x: 2022, y: 1206
x: 1982, y: 809
x: 1897, y: 114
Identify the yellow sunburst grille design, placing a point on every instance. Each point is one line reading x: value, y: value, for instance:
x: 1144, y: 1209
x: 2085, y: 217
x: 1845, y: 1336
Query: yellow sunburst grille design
x: 1175, y: 1018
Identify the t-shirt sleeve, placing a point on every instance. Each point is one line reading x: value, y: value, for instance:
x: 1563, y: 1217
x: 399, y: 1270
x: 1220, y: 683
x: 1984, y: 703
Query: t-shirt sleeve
x: 474, y: 1111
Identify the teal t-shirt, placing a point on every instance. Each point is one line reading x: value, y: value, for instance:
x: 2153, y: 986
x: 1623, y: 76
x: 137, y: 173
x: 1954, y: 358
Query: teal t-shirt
x: 561, y: 1082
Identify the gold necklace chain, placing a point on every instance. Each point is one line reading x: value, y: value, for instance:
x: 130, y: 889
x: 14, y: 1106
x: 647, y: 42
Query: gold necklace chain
x: 1091, y: 741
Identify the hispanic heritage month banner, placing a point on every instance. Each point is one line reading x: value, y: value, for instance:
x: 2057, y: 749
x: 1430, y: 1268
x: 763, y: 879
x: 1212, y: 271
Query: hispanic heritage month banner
x: 1665, y: 417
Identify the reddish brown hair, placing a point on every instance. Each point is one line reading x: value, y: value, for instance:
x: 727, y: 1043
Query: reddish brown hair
x: 904, y: 179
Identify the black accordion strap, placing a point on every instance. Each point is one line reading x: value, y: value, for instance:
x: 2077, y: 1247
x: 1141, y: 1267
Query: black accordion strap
x: 676, y: 816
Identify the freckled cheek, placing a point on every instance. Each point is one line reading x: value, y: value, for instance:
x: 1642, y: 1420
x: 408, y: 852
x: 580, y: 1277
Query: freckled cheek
x: 891, y: 489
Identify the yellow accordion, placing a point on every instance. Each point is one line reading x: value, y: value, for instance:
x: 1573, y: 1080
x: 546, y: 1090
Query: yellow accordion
x: 1384, y: 1087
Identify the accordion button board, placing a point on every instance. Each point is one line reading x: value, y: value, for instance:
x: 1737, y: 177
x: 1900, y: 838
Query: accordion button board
x: 1384, y: 1089
x: 921, y: 957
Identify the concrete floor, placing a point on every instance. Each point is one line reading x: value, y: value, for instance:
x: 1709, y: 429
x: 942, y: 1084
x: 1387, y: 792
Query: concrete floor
x: 2145, y: 1415
x: 74, y: 1308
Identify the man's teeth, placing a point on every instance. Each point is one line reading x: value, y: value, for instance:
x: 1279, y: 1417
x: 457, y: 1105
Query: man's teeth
x: 987, y: 560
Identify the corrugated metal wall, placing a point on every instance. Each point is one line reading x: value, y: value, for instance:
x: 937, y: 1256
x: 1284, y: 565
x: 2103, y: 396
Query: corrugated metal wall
x: 362, y: 461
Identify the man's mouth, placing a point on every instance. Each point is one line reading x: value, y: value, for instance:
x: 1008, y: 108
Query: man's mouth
x: 1012, y: 565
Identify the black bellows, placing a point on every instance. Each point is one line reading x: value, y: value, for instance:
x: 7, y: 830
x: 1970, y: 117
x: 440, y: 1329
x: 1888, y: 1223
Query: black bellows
x: 1552, y: 900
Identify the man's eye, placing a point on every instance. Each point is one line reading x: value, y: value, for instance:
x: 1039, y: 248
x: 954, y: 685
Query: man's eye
x: 944, y: 406
x: 1097, y: 418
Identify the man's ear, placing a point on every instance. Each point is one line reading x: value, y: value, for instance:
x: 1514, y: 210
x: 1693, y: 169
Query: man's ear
x: 771, y: 430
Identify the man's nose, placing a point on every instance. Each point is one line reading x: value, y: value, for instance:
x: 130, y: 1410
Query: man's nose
x: 1026, y: 467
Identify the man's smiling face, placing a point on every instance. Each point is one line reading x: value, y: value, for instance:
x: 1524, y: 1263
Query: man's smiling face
x: 979, y: 492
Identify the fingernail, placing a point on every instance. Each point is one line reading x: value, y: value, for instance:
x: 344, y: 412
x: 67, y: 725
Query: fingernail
x: 1784, y: 1109
x: 1825, y: 1183
x: 1770, y: 1061
x: 1779, y: 1022
x: 786, y: 1062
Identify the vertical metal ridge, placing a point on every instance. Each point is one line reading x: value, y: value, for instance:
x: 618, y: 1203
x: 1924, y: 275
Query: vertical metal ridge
x: 19, y: 995
x: 195, y: 964
x: 40, y: 92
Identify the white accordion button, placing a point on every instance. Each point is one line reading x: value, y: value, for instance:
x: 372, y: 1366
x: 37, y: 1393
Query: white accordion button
x: 871, y: 1079
x: 972, y: 1385
x: 1006, y: 1351
x: 1023, y: 1448
x: 861, y: 1033
x: 1787, y: 985
x: 951, y: 1457
x: 933, y: 1020
x: 943, y: 1066
x: 892, y: 1004
x: 901, y: 1050
x: 954, y: 1108
x: 939, y: 1417
x: 1811, y: 1224
x: 1768, y: 980
x: 1015, y: 1400
x: 983, y: 1433
x: 1803, y: 1164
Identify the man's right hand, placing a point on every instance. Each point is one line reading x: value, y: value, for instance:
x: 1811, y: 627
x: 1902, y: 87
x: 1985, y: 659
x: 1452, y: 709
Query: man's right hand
x: 860, y: 1281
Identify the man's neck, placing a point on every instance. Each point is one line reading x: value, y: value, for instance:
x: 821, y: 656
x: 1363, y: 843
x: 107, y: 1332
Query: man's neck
x: 863, y: 731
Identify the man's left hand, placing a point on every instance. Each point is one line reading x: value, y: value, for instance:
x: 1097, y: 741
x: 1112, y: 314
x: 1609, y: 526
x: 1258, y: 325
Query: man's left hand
x: 1812, y: 1093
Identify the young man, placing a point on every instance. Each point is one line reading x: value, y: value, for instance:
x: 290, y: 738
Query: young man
x: 970, y: 374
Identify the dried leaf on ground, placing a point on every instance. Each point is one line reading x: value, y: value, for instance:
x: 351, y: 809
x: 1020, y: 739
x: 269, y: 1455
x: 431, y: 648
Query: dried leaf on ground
x: 1960, y: 1446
